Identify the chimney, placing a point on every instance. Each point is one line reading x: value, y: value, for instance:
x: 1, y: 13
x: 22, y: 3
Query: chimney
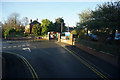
x: 37, y: 19
x: 30, y: 20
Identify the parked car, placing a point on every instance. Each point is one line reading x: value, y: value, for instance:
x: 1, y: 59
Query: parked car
x: 109, y: 37
x: 52, y: 36
x: 95, y: 37
x: 117, y: 37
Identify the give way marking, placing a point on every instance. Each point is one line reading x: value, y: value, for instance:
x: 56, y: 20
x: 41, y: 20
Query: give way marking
x: 26, y: 49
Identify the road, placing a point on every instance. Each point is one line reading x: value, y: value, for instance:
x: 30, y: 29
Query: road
x: 41, y: 59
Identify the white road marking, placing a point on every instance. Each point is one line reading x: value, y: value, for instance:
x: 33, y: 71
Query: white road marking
x: 33, y: 46
x: 105, y: 52
x: 19, y: 45
x: 9, y: 41
x: 23, y: 45
x: 4, y: 47
x: 27, y: 45
x: 89, y: 47
x: 14, y: 46
x: 27, y: 48
x: 9, y: 46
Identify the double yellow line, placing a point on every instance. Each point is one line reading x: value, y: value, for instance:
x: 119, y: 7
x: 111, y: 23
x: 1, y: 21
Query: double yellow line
x: 86, y: 64
x: 34, y: 74
x: 31, y: 69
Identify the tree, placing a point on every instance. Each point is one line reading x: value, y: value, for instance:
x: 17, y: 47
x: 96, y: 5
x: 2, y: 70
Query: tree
x: 52, y: 27
x: 59, y: 22
x: 9, y: 32
x: 102, y: 21
x: 1, y: 29
x: 74, y: 32
x: 45, y: 26
x: 13, y: 20
x: 107, y: 17
x: 84, y: 16
x: 25, y: 21
x: 36, y: 29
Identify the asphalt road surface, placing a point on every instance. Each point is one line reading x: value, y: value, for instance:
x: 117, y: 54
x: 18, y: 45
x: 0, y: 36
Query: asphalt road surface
x: 23, y: 59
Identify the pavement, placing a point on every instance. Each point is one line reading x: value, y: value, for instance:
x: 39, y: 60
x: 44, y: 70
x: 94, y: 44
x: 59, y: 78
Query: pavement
x: 42, y: 59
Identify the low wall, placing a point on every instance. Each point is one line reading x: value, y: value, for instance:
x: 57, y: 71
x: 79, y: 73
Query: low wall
x: 106, y: 57
x: 66, y: 41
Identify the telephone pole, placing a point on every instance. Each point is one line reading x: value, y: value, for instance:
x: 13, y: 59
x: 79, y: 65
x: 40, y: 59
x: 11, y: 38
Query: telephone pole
x: 68, y: 27
x: 61, y: 26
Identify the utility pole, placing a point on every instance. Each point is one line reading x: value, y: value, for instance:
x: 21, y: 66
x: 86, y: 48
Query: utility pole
x: 61, y: 26
x: 68, y: 27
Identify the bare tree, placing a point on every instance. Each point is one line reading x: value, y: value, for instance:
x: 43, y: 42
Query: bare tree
x: 13, y: 20
x: 25, y: 21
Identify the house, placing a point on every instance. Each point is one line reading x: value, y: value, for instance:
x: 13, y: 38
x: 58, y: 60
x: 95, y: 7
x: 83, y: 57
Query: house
x: 70, y: 29
x: 28, y: 28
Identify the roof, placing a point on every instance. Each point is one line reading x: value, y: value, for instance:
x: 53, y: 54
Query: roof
x: 35, y: 22
x: 70, y: 28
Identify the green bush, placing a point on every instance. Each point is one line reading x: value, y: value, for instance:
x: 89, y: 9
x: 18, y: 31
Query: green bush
x: 26, y: 34
x: 19, y: 30
x: 9, y: 32
x: 36, y: 29
x: 32, y: 35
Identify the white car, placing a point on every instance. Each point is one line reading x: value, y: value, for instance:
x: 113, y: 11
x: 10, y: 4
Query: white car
x: 117, y: 37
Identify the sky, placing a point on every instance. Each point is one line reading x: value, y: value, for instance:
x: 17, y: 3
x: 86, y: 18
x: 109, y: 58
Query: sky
x: 47, y: 10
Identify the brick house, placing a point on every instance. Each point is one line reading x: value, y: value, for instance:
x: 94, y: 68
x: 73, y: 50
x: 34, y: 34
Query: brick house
x: 28, y: 28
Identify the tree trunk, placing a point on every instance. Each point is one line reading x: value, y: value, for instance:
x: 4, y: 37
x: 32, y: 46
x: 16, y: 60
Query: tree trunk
x: 87, y: 32
x: 113, y: 34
